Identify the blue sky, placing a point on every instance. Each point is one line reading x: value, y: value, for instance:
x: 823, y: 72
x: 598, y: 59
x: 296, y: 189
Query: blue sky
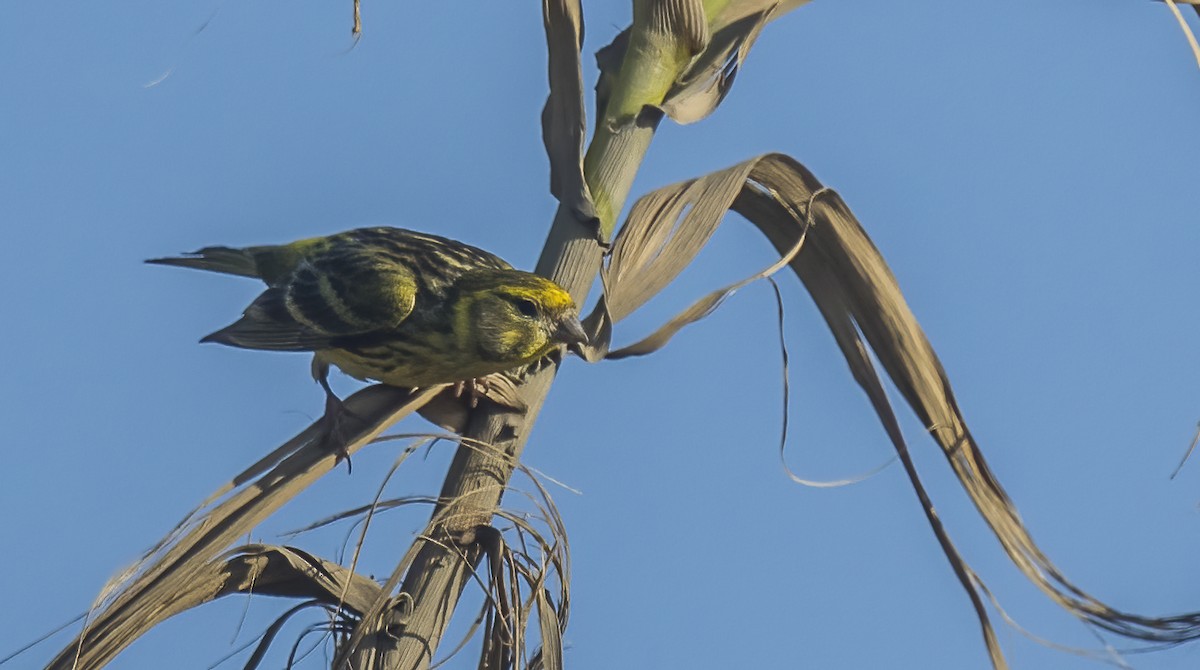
x: 1027, y: 170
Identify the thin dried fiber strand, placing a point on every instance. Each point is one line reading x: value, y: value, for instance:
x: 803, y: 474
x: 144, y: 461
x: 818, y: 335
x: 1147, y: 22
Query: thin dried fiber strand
x: 1187, y: 30
x: 376, y: 608
x: 362, y: 537
x: 1109, y: 656
x: 812, y: 483
x: 42, y: 638
x: 1191, y: 448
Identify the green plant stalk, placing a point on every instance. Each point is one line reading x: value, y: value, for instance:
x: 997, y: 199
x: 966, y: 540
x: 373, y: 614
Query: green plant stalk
x: 649, y: 70
x: 571, y: 256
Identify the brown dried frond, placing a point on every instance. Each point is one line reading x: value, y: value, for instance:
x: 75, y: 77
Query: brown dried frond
x: 861, y: 302
x: 186, y: 567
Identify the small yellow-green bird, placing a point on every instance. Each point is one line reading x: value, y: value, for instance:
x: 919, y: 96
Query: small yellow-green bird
x: 397, y: 306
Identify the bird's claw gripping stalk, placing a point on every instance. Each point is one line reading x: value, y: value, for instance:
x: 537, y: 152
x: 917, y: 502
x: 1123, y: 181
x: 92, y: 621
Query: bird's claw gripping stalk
x: 335, y: 432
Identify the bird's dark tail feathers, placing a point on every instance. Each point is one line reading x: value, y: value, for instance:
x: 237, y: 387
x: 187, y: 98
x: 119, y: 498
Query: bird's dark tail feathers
x: 215, y: 259
x: 267, y: 324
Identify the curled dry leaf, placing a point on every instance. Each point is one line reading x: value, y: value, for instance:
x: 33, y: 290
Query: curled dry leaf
x: 563, y: 118
x: 264, y: 570
x: 859, y: 298
x: 149, y: 590
x: 731, y: 32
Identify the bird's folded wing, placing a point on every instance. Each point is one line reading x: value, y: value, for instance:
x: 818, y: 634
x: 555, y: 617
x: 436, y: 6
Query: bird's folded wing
x: 327, y: 298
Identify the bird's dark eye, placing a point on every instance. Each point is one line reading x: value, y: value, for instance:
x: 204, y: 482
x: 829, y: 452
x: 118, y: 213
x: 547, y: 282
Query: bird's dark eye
x: 527, y: 307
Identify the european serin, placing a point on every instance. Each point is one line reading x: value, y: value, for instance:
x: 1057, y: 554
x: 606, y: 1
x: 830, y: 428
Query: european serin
x: 404, y: 308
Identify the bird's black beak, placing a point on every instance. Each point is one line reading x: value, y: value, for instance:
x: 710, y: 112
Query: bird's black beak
x: 570, y: 332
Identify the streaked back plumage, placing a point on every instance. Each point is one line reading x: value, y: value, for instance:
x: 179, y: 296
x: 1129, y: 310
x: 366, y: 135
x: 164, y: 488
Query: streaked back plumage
x: 387, y: 304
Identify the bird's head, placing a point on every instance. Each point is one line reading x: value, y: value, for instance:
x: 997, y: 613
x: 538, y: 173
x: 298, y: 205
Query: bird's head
x: 513, y: 317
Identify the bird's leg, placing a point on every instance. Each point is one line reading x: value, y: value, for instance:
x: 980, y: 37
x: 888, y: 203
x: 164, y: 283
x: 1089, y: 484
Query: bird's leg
x: 497, y: 388
x: 333, y: 423
x: 472, y: 389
